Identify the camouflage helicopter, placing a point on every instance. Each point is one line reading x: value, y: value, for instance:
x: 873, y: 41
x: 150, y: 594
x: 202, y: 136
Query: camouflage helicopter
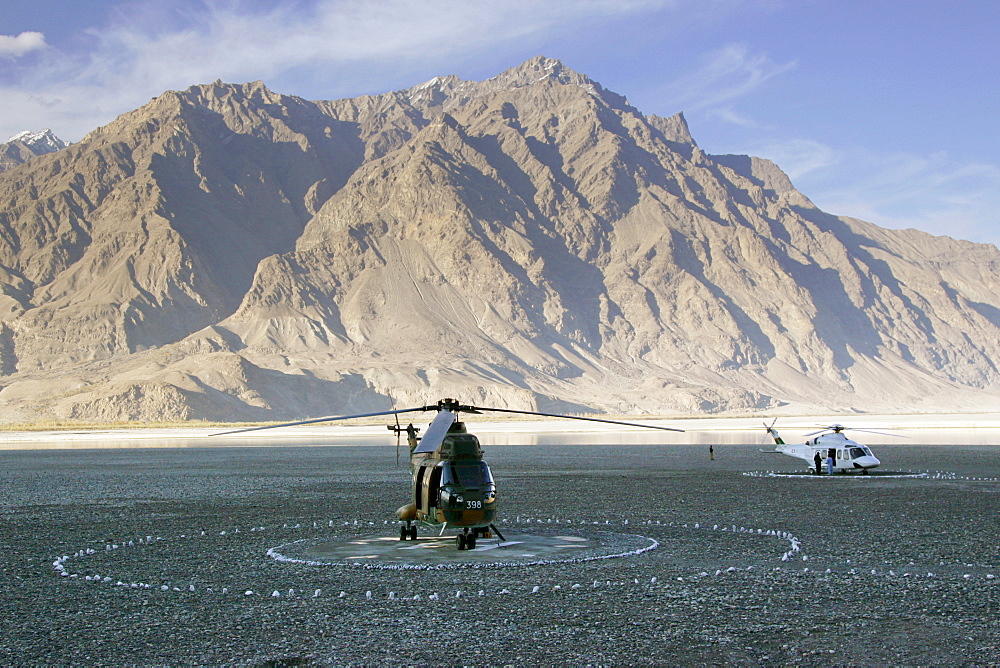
x: 451, y: 483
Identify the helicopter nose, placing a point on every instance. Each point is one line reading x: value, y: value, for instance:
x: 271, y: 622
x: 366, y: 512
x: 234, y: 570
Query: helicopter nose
x: 867, y: 462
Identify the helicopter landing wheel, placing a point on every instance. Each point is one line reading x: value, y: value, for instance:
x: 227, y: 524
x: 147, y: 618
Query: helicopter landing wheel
x: 413, y: 532
x: 403, y: 533
x: 460, y: 541
x: 470, y: 541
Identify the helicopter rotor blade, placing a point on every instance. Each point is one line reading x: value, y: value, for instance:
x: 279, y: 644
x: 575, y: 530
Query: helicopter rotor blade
x: 576, y: 417
x: 840, y: 427
x: 436, y: 432
x: 438, y: 429
x: 330, y: 418
x: 832, y: 427
x: 883, y: 433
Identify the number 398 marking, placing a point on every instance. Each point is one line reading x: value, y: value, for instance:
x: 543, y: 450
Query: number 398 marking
x: 473, y: 504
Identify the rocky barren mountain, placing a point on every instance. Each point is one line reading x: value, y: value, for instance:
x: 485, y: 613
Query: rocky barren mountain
x: 530, y: 241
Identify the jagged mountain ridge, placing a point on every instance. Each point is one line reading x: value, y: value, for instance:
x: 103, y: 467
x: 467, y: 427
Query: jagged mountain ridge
x: 531, y: 240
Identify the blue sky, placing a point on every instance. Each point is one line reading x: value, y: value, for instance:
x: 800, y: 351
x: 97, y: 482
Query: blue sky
x: 885, y: 110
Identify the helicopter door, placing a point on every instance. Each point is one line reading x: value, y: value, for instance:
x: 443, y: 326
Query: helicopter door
x: 420, y: 487
x: 427, y: 481
x: 833, y: 453
x: 432, y: 487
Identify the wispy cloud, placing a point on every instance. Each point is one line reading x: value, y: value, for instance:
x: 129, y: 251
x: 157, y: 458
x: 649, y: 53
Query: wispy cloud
x: 725, y: 75
x: 801, y: 157
x: 936, y: 193
x: 152, y: 47
x: 18, y: 45
x: 729, y: 115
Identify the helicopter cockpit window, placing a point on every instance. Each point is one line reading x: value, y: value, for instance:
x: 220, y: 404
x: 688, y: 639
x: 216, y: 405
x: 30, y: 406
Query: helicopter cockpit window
x: 857, y: 452
x: 469, y: 475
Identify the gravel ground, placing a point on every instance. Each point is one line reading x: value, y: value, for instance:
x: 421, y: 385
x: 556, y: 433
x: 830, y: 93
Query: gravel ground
x: 159, y: 557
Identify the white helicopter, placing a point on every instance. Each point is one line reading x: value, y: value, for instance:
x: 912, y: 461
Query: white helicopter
x: 829, y: 443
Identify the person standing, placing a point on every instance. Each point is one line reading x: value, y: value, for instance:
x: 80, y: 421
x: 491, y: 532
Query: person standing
x: 829, y: 464
x: 818, y: 461
x: 711, y: 453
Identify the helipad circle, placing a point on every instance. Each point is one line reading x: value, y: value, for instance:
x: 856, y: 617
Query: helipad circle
x: 440, y: 552
x: 843, y: 476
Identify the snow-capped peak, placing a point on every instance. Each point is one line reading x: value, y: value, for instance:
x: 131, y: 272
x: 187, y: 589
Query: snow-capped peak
x: 39, y: 142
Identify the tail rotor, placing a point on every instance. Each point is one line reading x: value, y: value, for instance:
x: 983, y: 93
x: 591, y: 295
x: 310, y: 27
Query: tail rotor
x: 773, y: 433
x: 397, y: 439
x: 396, y: 428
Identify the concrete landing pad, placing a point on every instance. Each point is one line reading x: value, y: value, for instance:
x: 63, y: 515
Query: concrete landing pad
x: 441, y: 552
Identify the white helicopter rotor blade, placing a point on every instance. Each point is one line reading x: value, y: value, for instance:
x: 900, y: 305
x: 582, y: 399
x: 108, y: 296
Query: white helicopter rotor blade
x: 833, y: 427
x: 883, y: 433
x: 840, y: 427
x: 436, y: 432
x: 330, y: 418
